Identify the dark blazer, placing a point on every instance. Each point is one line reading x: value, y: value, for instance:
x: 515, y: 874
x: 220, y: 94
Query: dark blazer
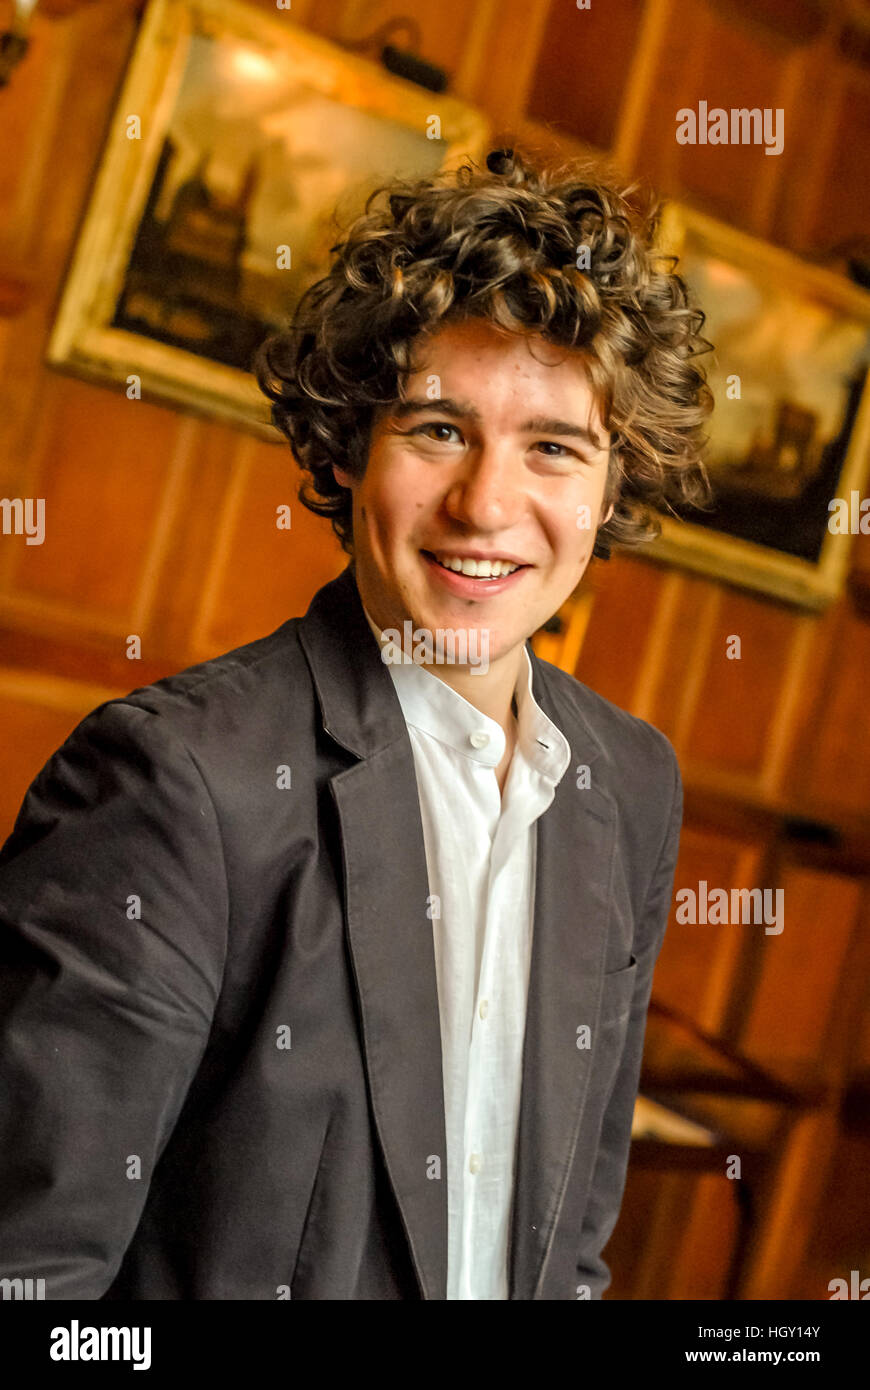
x: 168, y: 911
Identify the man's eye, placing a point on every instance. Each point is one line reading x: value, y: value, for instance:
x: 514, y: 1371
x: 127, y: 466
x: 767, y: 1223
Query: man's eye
x: 433, y: 425
x: 551, y: 444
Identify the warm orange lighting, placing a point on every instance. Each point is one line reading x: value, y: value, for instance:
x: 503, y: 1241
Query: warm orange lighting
x: 252, y: 65
x: 723, y: 275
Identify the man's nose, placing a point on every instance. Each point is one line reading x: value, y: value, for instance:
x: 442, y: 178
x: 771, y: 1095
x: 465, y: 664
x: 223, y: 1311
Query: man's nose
x: 486, y: 494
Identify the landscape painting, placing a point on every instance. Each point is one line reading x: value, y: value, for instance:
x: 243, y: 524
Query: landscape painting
x: 253, y: 146
x: 789, y: 431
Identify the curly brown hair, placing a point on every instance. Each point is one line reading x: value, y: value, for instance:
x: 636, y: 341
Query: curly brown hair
x: 534, y: 250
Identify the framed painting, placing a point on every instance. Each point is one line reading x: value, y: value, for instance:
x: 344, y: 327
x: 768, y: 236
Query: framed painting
x: 789, y: 450
x: 240, y: 148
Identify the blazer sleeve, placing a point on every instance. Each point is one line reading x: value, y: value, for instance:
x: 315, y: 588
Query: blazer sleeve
x: 611, y: 1164
x: 113, y: 912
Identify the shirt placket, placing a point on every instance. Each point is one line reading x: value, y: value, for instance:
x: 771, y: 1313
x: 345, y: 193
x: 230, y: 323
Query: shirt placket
x: 473, y: 1280
x: 484, y: 1162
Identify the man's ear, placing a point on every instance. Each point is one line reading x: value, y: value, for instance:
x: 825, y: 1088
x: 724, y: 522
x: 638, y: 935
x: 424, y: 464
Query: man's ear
x: 604, y: 520
x: 343, y: 479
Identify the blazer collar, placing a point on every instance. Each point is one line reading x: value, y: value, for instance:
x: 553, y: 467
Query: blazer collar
x: 391, y: 943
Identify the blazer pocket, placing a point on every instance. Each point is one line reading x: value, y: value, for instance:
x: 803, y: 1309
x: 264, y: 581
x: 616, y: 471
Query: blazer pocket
x: 609, y: 1039
x: 617, y: 993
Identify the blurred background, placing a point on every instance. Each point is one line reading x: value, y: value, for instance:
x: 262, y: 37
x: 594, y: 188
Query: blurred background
x: 160, y: 508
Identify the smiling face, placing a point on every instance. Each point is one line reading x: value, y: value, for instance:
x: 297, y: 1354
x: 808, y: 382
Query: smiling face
x: 492, y: 453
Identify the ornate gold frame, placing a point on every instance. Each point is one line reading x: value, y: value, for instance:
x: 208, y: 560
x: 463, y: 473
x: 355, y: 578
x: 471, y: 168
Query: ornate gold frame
x: 82, y: 339
x: 738, y: 561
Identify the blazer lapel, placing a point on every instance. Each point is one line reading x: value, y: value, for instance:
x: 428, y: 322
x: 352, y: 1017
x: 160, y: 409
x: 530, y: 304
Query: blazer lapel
x: 575, y: 845
x: 389, y: 933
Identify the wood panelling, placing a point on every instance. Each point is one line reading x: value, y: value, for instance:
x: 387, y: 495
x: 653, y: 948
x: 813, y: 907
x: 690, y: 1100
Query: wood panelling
x: 28, y: 125
x: 676, y: 1237
x: 709, y: 1232
x: 795, y: 21
x: 511, y: 36
x: 836, y: 211
x: 627, y: 594
x: 108, y: 469
x: 643, y: 1245
x: 445, y: 30
x: 237, y: 598
x: 813, y: 133
x: 739, y: 700
x: 790, y: 1206
x: 21, y: 344
x: 699, y: 961
x: 737, y: 722
x: 803, y: 996
x: 831, y: 768
x: 839, y: 1238
x: 583, y: 67
x: 725, y: 67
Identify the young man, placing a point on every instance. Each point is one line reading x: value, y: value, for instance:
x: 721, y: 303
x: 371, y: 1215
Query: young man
x: 326, y: 963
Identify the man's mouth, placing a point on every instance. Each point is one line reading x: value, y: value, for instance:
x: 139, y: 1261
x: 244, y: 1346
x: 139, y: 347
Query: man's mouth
x: 496, y: 568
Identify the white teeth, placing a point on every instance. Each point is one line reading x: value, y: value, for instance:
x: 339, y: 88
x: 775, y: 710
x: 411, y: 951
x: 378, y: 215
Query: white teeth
x: 477, y: 569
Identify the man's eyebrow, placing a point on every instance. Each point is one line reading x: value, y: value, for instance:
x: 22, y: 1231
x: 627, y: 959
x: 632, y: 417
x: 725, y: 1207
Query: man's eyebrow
x: 412, y: 405
x: 544, y: 424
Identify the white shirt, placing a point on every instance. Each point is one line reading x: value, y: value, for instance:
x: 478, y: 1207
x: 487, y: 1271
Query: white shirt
x: 480, y: 858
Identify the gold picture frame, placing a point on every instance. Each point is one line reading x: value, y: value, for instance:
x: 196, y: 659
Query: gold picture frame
x: 237, y: 137
x: 791, y: 427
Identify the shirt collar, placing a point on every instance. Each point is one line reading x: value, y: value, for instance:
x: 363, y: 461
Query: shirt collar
x: 429, y: 704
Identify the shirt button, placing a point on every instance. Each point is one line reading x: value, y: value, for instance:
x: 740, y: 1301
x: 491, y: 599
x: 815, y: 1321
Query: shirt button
x: 484, y: 1008
x: 479, y: 739
x: 475, y: 1163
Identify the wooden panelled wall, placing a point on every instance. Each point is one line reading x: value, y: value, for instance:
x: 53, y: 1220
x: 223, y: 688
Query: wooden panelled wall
x: 163, y: 526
